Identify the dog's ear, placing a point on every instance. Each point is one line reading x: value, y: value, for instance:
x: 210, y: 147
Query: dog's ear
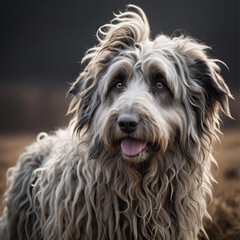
x: 211, y: 97
x: 215, y: 90
x: 90, y: 101
x: 85, y: 101
x: 207, y: 92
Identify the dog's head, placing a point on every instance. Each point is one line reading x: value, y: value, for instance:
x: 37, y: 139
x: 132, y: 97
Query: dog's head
x: 137, y: 97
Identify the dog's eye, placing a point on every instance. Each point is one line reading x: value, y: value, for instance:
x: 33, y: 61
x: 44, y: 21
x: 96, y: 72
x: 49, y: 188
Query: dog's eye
x: 119, y: 85
x: 158, y: 80
x: 159, y: 85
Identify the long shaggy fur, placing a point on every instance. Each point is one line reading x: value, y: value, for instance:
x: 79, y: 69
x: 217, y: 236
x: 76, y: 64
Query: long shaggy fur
x: 78, y: 184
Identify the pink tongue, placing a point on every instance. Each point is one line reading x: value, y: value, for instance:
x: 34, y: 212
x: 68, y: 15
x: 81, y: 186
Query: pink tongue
x: 132, y: 147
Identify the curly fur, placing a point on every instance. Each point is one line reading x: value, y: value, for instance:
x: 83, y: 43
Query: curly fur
x: 77, y: 184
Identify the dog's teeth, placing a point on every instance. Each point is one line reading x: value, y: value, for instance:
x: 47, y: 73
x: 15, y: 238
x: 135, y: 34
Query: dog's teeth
x: 132, y: 147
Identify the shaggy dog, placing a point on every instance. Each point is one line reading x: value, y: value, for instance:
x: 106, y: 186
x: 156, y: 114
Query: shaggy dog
x: 135, y: 161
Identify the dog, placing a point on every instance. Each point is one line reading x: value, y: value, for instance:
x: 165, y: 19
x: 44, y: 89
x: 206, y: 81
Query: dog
x: 135, y: 161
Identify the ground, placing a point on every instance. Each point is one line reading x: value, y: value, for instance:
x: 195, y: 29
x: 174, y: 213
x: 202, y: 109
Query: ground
x: 225, y: 207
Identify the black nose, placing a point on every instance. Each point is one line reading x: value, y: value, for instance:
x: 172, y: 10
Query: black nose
x: 128, y: 122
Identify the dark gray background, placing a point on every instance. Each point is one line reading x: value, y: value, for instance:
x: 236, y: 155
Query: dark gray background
x: 42, y: 43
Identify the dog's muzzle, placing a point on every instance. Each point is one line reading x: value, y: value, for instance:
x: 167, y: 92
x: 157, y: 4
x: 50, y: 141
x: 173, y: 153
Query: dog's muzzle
x: 128, y: 123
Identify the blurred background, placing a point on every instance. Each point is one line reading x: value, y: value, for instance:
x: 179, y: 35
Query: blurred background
x: 43, y: 42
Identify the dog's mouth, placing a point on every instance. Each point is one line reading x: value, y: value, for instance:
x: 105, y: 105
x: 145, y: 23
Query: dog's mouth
x: 132, y: 147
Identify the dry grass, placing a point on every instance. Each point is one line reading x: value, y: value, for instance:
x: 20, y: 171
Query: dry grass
x: 225, y: 208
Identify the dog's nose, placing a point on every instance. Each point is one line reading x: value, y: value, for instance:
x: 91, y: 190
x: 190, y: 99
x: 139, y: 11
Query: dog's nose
x: 128, y: 122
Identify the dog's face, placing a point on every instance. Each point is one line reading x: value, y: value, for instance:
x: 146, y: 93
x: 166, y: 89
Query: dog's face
x: 138, y: 97
x: 139, y: 112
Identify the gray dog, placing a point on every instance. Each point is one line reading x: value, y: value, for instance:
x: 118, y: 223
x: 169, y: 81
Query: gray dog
x: 135, y: 161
